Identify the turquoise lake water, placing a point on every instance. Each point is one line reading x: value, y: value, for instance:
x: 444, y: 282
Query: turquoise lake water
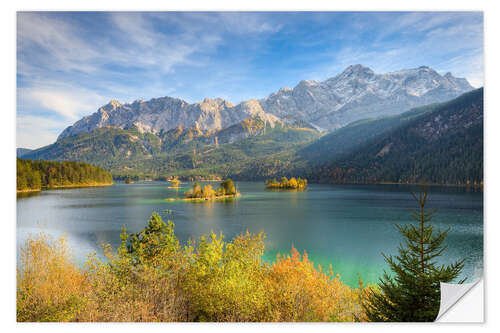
x: 347, y: 226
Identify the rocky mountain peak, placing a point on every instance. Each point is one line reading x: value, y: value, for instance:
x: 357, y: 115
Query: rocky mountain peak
x: 114, y: 104
x: 216, y: 100
x: 356, y: 93
x: 111, y: 106
x: 358, y: 69
x: 307, y: 83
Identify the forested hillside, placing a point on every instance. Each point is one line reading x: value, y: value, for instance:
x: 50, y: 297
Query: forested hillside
x: 185, y: 152
x: 101, y: 147
x: 443, y: 145
x: 345, y: 139
x: 35, y: 175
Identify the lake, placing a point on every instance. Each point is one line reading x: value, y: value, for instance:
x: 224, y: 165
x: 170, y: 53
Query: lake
x: 347, y: 226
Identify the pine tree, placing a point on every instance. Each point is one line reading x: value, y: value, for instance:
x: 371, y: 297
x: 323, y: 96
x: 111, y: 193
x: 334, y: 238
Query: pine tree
x: 412, y: 293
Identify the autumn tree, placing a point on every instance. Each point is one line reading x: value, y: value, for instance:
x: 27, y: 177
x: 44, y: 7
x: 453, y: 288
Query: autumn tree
x: 208, y: 191
x: 228, y: 187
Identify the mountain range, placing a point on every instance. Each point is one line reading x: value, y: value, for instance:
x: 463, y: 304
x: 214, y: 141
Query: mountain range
x: 354, y: 94
x: 316, y: 127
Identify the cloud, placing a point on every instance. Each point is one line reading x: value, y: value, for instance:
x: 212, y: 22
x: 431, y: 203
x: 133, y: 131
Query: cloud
x: 136, y: 28
x: 245, y: 23
x: 53, y: 43
x: 37, y: 131
x: 469, y: 65
x: 144, y: 46
x: 70, y: 103
x: 235, y: 23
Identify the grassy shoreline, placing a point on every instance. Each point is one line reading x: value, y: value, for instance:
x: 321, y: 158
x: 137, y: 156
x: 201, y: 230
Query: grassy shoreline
x: 64, y: 186
x: 29, y: 190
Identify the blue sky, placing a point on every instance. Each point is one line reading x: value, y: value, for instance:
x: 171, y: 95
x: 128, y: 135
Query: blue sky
x: 69, y: 64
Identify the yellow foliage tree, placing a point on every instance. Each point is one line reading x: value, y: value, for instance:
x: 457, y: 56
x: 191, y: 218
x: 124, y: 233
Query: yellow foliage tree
x: 299, y: 292
x: 208, y: 191
x: 50, y: 287
x: 292, y: 183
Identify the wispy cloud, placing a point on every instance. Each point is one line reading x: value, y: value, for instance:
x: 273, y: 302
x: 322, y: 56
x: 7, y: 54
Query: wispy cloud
x: 244, y: 23
x: 55, y: 43
x: 37, y: 131
x: 70, y: 103
x: 145, y: 47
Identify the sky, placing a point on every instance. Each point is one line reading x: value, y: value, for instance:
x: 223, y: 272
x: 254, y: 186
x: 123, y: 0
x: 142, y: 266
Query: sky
x: 71, y: 63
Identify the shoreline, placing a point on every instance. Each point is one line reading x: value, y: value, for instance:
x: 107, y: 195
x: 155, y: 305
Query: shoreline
x: 286, y: 188
x: 64, y: 186
x: 29, y: 190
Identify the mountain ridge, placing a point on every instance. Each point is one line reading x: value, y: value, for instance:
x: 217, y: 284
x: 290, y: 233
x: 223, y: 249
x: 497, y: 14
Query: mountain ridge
x: 356, y: 93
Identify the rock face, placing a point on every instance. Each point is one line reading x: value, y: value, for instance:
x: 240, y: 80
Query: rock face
x: 354, y: 94
x: 359, y: 93
x: 167, y: 113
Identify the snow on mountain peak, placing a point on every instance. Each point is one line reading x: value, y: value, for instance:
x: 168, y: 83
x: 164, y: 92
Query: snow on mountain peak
x: 356, y: 93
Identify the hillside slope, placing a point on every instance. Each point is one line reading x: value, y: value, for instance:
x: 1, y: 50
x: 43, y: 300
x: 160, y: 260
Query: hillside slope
x: 180, y: 151
x: 347, y: 138
x: 442, y: 145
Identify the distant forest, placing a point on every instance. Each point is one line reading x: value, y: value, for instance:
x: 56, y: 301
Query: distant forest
x: 441, y: 146
x: 35, y: 175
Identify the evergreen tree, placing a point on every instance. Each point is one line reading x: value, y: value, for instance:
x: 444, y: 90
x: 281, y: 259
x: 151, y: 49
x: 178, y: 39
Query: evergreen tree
x: 412, y: 293
x: 33, y: 175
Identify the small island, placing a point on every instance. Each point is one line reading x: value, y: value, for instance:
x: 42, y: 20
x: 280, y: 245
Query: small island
x: 175, y: 183
x: 287, y: 184
x: 129, y: 180
x: 226, y: 190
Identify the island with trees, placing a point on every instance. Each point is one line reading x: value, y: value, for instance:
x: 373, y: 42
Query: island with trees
x: 175, y: 182
x: 35, y: 175
x: 226, y: 190
x: 129, y: 180
x: 287, y: 184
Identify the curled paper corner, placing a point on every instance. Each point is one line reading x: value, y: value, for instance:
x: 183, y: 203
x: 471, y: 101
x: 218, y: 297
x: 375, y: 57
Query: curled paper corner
x: 451, y: 299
